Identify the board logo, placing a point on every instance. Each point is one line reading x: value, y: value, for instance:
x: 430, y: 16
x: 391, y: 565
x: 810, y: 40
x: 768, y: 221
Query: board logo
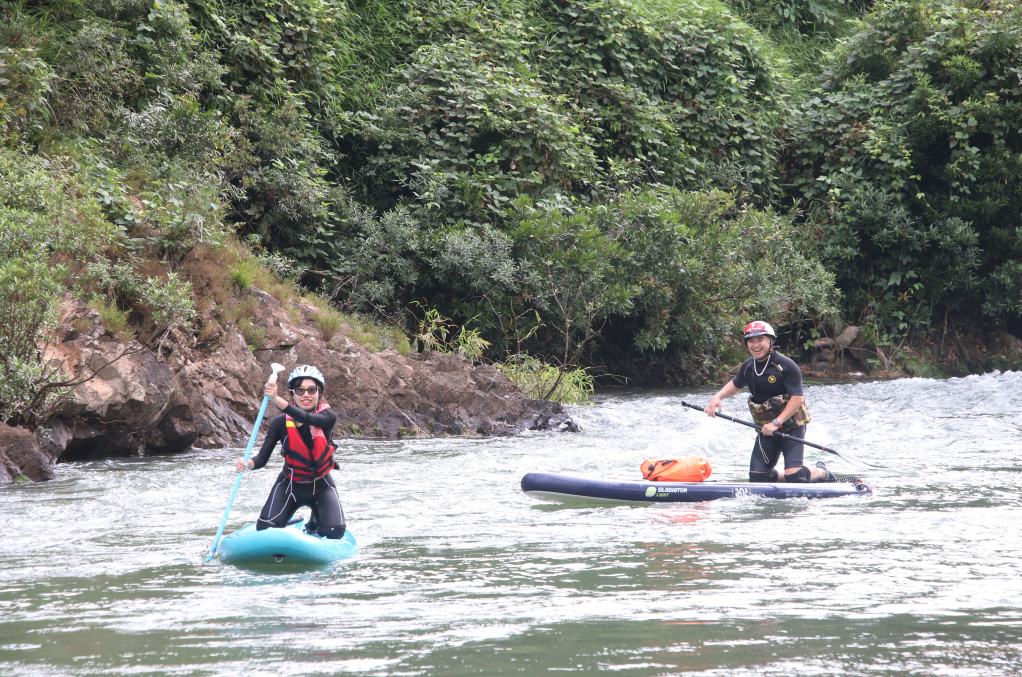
x: 771, y: 379
x: 650, y: 492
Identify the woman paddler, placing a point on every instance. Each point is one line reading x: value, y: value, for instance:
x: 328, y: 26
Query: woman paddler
x: 305, y: 430
x: 776, y: 403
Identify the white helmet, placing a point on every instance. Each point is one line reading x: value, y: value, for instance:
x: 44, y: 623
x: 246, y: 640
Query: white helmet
x: 306, y: 371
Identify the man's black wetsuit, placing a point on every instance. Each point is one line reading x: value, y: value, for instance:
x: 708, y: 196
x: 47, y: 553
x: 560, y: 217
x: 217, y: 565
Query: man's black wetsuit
x: 288, y: 495
x: 781, y: 376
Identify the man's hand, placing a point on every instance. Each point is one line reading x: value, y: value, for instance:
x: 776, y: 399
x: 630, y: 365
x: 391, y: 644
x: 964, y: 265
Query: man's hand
x: 713, y: 407
x: 769, y: 429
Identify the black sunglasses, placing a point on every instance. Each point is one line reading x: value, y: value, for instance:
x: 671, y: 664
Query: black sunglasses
x: 311, y: 390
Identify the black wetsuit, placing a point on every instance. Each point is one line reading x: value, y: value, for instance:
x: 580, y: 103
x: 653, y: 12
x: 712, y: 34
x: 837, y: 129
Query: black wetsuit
x: 780, y: 376
x: 288, y: 495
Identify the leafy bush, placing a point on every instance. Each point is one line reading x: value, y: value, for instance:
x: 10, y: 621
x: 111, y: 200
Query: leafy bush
x: 914, y: 150
x: 488, y: 128
x: 50, y: 228
x: 543, y: 381
x: 168, y: 304
x: 807, y: 15
x: 656, y: 281
x: 25, y: 84
x: 581, y: 96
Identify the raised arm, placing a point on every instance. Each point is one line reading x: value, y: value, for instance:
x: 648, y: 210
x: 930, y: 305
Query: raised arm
x: 323, y: 420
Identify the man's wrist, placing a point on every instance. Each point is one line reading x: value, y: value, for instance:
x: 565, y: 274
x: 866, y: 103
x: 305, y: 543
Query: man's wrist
x: 777, y: 422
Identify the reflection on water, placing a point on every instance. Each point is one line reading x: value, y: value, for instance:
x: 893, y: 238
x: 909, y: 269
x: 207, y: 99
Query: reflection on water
x: 101, y: 570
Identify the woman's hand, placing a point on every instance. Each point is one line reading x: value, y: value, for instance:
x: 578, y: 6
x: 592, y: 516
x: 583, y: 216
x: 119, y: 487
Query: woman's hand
x: 270, y: 390
x: 769, y: 429
x: 242, y: 465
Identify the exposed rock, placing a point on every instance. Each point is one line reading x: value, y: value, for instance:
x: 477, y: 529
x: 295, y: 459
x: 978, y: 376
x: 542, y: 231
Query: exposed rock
x: 846, y: 338
x: 20, y: 454
x: 123, y: 408
x: 1003, y: 343
x: 830, y: 350
x: 208, y: 393
x: 430, y: 392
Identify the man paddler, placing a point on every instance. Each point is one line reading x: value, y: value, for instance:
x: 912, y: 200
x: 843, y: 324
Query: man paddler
x: 776, y: 403
x: 305, y: 433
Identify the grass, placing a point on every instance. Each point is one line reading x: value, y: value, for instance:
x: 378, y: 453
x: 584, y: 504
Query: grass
x: 328, y: 324
x: 115, y: 322
x: 243, y: 316
x: 244, y: 274
x: 375, y: 336
x: 536, y: 378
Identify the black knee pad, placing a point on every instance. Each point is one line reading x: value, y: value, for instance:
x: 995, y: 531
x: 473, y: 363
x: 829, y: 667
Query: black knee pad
x: 757, y: 476
x: 332, y: 532
x: 800, y: 476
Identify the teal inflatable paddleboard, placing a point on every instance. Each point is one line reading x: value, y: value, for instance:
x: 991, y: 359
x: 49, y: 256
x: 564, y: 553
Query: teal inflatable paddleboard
x: 290, y: 544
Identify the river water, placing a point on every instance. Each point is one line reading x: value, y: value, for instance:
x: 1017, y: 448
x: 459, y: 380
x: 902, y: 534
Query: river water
x: 460, y: 573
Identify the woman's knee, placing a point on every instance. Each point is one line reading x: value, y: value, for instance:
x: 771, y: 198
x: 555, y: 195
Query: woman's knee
x: 332, y: 532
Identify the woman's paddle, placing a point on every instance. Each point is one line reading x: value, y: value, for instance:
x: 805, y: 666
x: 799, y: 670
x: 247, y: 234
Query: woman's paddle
x: 237, y: 480
x: 860, y: 464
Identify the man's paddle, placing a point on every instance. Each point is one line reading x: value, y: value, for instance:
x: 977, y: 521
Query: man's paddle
x: 237, y: 480
x: 860, y: 464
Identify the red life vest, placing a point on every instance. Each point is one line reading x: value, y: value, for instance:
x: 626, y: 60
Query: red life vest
x: 304, y: 464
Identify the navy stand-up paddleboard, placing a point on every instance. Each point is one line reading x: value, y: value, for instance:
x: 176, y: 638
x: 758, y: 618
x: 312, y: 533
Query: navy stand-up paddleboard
x: 290, y: 544
x: 567, y: 489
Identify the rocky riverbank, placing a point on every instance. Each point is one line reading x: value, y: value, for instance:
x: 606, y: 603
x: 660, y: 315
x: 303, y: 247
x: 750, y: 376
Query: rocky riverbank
x: 206, y: 392
x: 956, y: 352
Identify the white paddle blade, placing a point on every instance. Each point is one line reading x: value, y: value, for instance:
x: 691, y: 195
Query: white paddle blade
x: 276, y: 368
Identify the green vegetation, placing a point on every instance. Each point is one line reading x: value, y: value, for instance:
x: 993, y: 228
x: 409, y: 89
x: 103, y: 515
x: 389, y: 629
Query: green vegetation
x: 912, y: 159
x: 115, y: 321
x: 604, y: 185
x: 539, y: 380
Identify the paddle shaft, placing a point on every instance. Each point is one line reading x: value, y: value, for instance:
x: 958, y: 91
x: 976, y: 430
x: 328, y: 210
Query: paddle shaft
x: 759, y: 427
x: 778, y: 434
x: 237, y: 479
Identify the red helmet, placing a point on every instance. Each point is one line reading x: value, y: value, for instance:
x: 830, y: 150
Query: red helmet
x: 759, y: 328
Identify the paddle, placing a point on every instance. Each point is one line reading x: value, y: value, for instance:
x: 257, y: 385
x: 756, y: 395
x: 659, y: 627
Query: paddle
x: 860, y: 464
x: 237, y: 480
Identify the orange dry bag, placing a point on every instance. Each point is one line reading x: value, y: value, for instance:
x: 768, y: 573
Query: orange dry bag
x: 682, y: 469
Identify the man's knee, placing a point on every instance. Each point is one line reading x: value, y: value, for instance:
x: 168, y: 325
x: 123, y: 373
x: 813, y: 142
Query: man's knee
x: 800, y: 476
x: 762, y: 476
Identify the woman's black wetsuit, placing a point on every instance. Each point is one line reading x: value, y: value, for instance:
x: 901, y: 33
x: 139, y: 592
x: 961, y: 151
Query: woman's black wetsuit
x: 288, y: 494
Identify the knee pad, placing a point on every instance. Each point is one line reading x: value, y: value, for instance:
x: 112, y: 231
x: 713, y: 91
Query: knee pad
x: 800, y: 476
x: 333, y: 532
x: 757, y: 476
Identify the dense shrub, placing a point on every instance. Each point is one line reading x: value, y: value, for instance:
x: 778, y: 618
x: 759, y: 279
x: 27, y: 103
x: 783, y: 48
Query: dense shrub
x: 567, y: 98
x: 659, y: 279
x: 50, y: 227
x: 913, y: 147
